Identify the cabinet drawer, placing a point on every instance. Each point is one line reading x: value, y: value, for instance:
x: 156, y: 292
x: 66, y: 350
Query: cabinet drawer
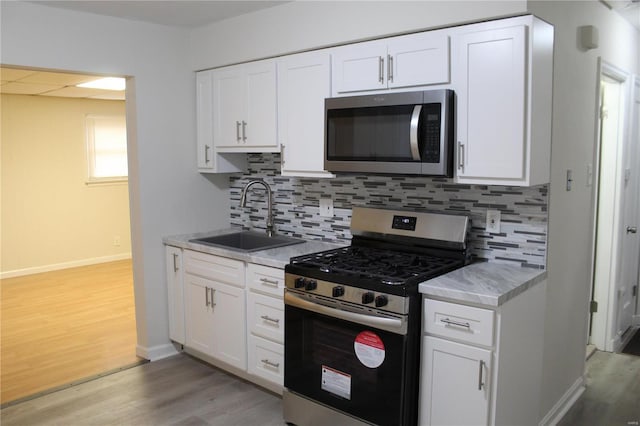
x: 266, y: 316
x: 215, y: 268
x: 266, y: 359
x: 265, y: 279
x: 465, y: 323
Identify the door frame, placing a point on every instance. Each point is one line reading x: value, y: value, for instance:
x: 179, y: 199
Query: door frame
x: 601, y: 321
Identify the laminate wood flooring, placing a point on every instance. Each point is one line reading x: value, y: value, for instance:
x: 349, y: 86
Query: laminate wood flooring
x: 612, y: 396
x: 63, y: 326
x: 179, y: 390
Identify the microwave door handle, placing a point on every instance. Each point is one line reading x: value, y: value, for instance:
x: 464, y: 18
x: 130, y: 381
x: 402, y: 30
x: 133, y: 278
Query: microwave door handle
x: 413, y: 133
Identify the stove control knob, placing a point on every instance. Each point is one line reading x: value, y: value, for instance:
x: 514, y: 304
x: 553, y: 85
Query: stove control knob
x: 311, y: 285
x: 367, y: 297
x: 299, y: 282
x: 338, y: 291
x: 381, y: 301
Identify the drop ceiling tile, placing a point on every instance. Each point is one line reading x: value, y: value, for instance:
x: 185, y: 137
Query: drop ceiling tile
x: 74, y: 92
x: 16, y: 88
x: 11, y: 74
x: 57, y: 78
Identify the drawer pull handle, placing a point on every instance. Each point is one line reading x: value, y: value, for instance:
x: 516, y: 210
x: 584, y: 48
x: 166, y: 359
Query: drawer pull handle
x: 268, y: 281
x: 480, y: 382
x: 270, y: 364
x: 447, y: 321
x: 268, y: 318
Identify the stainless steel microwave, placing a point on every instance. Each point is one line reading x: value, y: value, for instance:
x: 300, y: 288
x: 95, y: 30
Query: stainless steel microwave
x: 394, y: 133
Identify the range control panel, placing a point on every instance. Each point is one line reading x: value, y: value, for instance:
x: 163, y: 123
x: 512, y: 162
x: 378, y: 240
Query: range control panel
x: 349, y: 294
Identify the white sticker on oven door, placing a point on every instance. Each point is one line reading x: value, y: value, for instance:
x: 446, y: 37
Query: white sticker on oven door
x: 369, y: 349
x: 336, y: 382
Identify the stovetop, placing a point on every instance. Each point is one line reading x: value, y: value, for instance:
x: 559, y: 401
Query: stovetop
x: 383, y: 270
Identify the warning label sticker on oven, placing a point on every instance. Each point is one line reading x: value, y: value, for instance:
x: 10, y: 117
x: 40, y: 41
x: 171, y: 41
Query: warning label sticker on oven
x: 336, y: 382
x: 369, y: 349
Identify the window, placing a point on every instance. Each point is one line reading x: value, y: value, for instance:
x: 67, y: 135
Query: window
x: 106, y: 148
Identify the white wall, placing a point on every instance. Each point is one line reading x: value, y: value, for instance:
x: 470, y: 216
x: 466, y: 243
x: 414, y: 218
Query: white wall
x: 570, y: 213
x: 304, y: 25
x: 167, y: 195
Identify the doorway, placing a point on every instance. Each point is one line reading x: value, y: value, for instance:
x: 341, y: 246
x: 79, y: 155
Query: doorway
x: 616, y: 253
x: 67, y: 278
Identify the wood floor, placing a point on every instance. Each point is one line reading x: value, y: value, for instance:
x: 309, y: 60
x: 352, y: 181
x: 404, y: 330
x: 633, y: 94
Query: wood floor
x: 63, y: 326
x: 184, y: 391
x: 174, y: 391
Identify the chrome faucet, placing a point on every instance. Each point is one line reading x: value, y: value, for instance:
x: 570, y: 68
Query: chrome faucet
x: 243, y: 202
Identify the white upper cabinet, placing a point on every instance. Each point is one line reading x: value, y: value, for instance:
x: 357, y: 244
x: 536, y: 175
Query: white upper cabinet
x: 304, y: 81
x: 244, y: 108
x: 208, y: 159
x: 405, y: 61
x: 502, y: 75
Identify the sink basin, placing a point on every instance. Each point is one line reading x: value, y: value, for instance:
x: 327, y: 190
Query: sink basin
x: 247, y: 241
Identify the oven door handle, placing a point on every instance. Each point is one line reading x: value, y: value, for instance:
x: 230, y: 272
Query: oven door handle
x: 394, y: 325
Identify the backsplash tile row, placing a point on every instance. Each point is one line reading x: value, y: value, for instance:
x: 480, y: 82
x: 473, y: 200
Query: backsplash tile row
x: 522, y: 239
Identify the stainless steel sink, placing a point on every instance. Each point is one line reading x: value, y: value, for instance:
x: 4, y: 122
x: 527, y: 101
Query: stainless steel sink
x: 247, y: 241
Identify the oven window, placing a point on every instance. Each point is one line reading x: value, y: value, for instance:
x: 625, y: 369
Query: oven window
x: 321, y: 363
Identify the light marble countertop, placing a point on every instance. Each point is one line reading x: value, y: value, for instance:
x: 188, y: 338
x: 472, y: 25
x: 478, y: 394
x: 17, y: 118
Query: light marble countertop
x: 490, y: 284
x: 276, y: 257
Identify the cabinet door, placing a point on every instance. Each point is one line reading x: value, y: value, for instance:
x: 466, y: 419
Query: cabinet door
x: 258, y: 128
x: 198, y: 314
x: 228, y: 329
x: 304, y: 81
x: 359, y: 67
x: 204, y: 119
x: 229, y: 106
x: 490, y: 77
x: 175, y: 293
x: 418, y: 59
x: 454, y: 384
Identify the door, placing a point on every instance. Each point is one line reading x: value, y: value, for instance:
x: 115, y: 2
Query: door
x: 229, y: 97
x: 418, y: 59
x: 490, y: 74
x: 630, y: 262
x: 198, y: 314
x: 259, y: 126
x: 204, y: 120
x: 616, y: 244
x: 227, y: 328
x: 455, y: 388
x: 360, y: 67
x: 175, y: 290
x: 304, y: 81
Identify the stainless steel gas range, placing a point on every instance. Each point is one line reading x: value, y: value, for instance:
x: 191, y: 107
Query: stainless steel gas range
x: 352, y: 318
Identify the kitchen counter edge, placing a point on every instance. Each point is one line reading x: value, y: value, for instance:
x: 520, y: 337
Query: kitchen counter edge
x: 276, y: 257
x: 490, y: 284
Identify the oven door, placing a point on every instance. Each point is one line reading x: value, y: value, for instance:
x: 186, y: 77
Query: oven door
x: 355, y: 368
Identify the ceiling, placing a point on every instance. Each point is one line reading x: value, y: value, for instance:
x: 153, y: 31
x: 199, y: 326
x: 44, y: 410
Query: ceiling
x: 176, y: 13
x: 192, y: 14
x: 31, y: 82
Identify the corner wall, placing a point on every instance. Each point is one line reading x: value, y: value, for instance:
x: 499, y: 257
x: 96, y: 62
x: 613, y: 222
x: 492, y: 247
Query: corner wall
x: 571, y: 212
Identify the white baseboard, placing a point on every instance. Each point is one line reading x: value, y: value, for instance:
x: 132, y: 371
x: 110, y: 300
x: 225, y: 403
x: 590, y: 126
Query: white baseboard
x: 564, y: 404
x: 156, y: 353
x: 64, y: 265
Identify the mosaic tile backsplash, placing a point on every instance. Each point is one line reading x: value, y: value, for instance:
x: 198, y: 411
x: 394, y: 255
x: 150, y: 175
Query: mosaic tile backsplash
x: 522, y: 240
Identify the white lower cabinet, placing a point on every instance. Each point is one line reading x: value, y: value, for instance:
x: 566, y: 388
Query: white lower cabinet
x: 265, y: 319
x: 482, y: 366
x: 228, y: 313
x: 455, y: 383
x: 175, y: 293
x: 214, y: 310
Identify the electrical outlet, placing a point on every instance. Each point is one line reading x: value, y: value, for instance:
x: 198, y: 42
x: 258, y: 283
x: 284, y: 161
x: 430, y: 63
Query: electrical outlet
x: 116, y: 241
x: 326, y: 207
x: 493, y: 221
